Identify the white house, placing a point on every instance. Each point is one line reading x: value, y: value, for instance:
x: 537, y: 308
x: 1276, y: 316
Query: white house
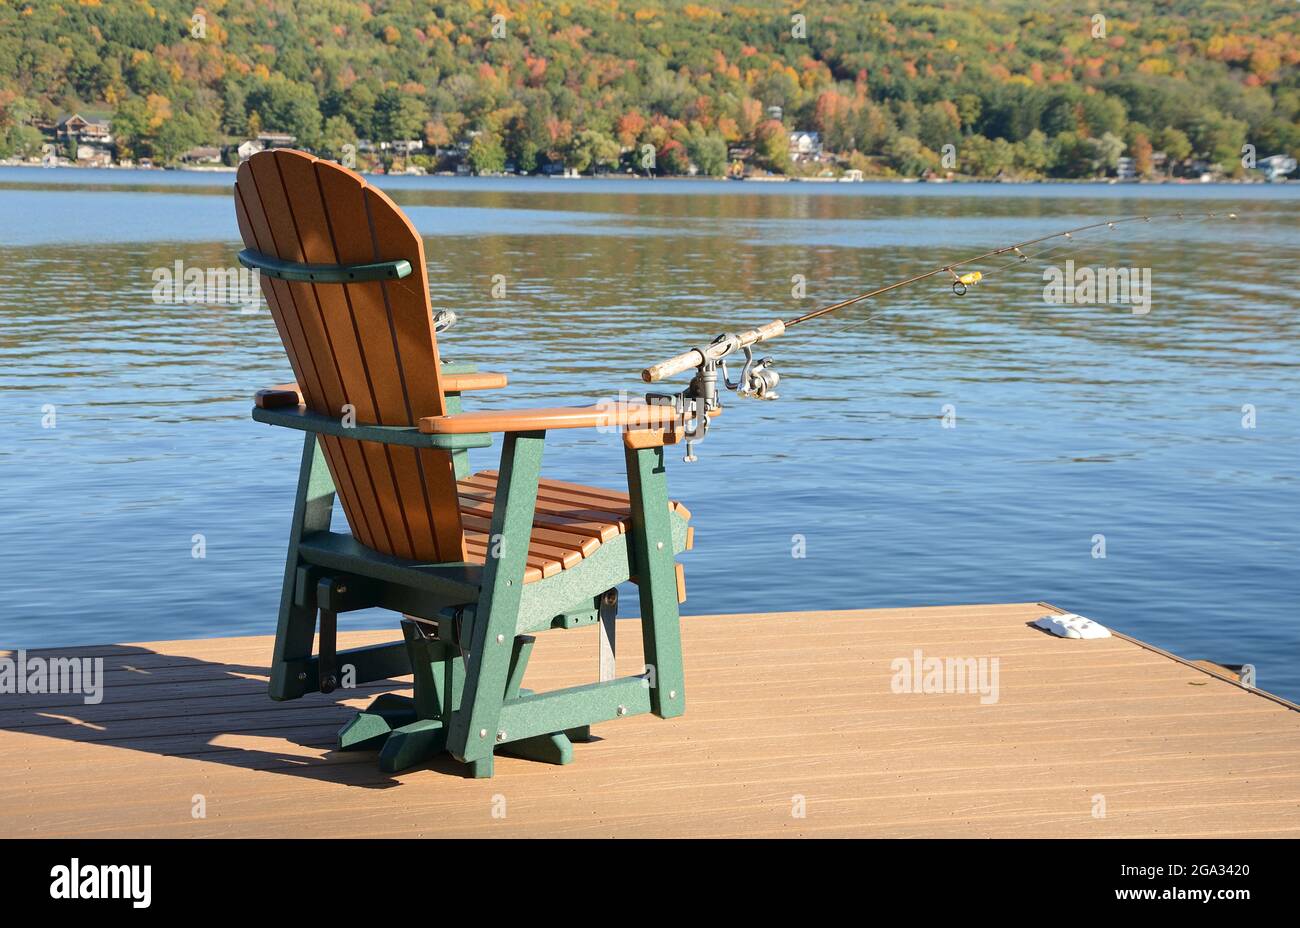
x: 805, y: 146
x: 203, y: 154
x: 93, y: 156
x: 1276, y: 167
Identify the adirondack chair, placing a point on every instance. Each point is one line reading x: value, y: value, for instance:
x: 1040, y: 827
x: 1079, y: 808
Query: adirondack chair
x: 474, y: 562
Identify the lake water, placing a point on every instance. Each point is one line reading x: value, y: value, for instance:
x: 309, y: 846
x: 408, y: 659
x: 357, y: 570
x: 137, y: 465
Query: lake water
x: 1071, y: 421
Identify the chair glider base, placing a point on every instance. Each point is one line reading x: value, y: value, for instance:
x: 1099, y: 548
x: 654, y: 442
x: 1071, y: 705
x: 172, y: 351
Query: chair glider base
x: 405, y: 741
x: 410, y: 730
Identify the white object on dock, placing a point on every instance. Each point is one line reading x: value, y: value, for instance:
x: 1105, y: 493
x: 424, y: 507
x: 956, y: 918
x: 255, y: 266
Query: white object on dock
x: 1071, y: 625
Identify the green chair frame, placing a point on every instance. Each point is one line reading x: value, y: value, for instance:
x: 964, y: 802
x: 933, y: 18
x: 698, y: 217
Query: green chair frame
x: 468, y: 628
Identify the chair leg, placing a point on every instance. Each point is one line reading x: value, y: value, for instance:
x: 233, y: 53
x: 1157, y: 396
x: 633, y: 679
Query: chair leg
x: 656, y: 572
x: 555, y: 748
x: 296, y: 626
x: 412, y: 744
x: 579, y: 735
x: 370, y: 728
x: 608, y: 618
x: 473, y: 731
x: 408, y: 729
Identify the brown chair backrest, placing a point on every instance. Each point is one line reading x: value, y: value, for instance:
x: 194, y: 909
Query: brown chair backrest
x: 368, y: 345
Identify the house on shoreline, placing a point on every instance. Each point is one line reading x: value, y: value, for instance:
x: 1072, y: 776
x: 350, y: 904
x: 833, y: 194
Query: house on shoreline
x: 264, y: 140
x: 202, y: 155
x: 75, y: 138
x: 805, y: 146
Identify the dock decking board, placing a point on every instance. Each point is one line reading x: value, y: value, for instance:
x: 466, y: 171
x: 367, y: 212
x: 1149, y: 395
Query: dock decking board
x: 778, y: 705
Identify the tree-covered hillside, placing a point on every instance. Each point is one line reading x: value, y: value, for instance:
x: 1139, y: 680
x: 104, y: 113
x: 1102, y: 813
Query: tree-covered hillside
x: 1014, y: 86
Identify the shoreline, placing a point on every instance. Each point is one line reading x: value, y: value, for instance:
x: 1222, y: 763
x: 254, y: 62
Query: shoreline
x: 763, y: 179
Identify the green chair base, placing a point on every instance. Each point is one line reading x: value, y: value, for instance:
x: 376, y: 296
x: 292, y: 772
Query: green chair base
x: 466, y: 636
x: 391, y: 726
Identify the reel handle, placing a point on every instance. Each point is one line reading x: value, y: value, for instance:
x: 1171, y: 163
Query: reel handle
x: 713, y: 352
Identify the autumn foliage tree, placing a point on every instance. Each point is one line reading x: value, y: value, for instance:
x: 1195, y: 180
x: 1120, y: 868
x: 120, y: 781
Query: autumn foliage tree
x: 886, y: 84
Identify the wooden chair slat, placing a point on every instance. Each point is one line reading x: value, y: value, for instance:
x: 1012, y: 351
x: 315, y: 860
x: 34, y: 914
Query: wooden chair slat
x: 598, y: 530
x: 340, y: 210
x: 416, y: 351
x: 286, y: 244
x: 296, y: 222
x: 584, y: 545
x: 565, y: 497
x: 477, y: 545
x: 256, y: 231
x: 614, y: 496
x: 477, y: 553
x: 376, y: 389
x: 564, y: 510
x: 375, y: 488
x: 566, y: 555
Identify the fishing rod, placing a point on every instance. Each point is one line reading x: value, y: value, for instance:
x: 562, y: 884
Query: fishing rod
x: 758, y: 379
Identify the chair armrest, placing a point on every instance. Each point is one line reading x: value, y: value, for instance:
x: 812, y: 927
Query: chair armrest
x: 304, y: 420
x: 481, y: 380
x: 277, y: 397
x: 611, y: 416
x: 288, y: 394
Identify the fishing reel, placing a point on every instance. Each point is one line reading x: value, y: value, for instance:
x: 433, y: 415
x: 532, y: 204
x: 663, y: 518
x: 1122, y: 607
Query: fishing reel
x: 701, y: 400
x: 757, y: 379
x: 443, y: 319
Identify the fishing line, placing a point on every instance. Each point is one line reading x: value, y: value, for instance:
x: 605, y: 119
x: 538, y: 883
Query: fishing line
x: 1029, y: 257
x: 758, y: 378
x: 1071, y: 239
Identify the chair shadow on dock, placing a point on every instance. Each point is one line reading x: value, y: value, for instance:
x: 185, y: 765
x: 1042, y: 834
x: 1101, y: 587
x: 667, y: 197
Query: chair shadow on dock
x: 183, y: 706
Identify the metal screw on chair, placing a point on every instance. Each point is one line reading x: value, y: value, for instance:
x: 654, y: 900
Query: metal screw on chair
x: 500, y: 638
x: 501, y: 736
x: 302, y: 676
x: 622, y: 710
x: 482, y: 732
x: 672, y: 694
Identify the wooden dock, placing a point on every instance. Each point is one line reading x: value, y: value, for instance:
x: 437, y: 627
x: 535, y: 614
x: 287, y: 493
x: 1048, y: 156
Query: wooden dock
x: 793, y: 727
